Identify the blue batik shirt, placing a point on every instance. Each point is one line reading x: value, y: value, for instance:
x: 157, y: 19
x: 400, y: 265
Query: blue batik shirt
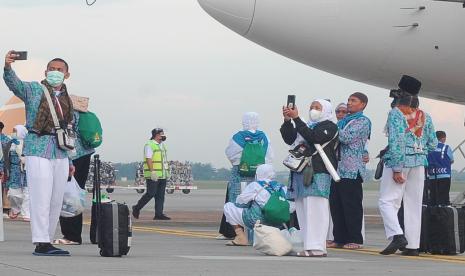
x: 45, y: 146
x: 4, y: 140
x: 406, y: 150
x: 353, y: 137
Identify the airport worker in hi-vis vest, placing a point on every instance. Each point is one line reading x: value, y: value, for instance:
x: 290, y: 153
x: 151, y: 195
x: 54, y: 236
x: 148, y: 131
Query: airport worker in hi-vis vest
x: 156, y: 173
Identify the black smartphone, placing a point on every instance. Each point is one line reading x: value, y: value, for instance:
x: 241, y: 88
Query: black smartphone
x: 22, y: 55
x: 291, y: 101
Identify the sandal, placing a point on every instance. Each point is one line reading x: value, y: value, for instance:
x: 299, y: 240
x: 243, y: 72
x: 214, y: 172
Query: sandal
x: 352, y: 246
x: 64, y: 242
x: 12, y: 215
x: 309, y: 253
x: 233, y: 243
x: 332, y: 244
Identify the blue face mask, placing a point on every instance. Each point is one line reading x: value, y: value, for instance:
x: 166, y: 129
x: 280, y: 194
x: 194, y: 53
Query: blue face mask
x: 55, y: 78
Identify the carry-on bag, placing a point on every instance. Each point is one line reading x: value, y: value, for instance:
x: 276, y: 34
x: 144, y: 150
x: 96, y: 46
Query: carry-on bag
x: 446, y: 230
x: 114, y: 231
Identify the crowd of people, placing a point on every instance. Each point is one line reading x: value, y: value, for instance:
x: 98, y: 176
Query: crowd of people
x: 325, y: 191
x: 329, y: 206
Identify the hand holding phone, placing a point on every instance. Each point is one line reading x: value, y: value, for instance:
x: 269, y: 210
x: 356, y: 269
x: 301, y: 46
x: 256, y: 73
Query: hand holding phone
x: 20, y: 55
x: 290, y: 101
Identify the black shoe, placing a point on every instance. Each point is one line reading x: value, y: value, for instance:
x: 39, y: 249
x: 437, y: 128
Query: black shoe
x: 135, y: 212
x: 398, y: 242
x: 410, y: 252
x: 161, y: 217
x: 46, y: 249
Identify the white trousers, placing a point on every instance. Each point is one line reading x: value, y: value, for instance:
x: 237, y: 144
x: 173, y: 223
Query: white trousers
x: 19, y: 201
x: 390, y: 198
x: 233, y: 214
x: 46, y: 180
x: 313, y: 216
x: 330, y: 236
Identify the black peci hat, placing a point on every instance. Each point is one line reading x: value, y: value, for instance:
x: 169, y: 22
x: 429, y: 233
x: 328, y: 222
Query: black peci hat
x: 410, y: 85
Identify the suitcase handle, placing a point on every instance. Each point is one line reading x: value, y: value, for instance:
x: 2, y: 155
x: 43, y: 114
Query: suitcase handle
x: 97, y: 194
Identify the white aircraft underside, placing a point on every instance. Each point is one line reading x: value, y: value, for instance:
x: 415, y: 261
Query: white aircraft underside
x: 371, y: 41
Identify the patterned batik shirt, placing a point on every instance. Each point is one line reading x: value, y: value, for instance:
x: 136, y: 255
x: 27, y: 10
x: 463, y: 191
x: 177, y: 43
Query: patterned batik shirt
x: 30, y: 93
x: 406, y: 150
x: 353, y: 139
x: 4, y: 140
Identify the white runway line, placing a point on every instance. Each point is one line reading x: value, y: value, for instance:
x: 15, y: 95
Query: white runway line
x: 268, y: 258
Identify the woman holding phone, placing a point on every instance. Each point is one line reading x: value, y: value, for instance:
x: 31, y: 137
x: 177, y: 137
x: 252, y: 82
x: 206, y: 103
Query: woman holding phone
x: 310, y: 188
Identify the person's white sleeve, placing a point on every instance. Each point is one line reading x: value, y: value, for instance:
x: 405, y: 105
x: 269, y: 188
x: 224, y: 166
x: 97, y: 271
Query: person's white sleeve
x: 148, y: 152
x: 451, y: 154
x: 249, y: 193
x: 269, y: 157
x: 233, y: 152
x: 291, y: 203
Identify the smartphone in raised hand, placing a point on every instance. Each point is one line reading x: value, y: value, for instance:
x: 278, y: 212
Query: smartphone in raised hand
x: 20, y: 55
x: 290, y: 101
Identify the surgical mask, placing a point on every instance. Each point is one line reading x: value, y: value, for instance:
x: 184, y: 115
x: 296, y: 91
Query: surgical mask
x: 14, y: 136
x: 315, y: 115
x: 163, y: 138
x: 55, y: 78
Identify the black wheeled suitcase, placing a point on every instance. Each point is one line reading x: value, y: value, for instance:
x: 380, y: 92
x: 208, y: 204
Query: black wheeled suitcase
x: 114, y: 231
x: 446, y: 230
x: 424, y: 236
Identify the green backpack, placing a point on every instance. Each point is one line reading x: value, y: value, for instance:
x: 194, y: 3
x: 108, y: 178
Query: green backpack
x: 276, y: 210
x: 253, y: 155
x: 90, y: 130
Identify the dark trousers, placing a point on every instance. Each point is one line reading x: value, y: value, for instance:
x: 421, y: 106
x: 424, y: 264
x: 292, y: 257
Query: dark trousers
x: 226, y: 229
x: 439, y: 191
x: 347, y: 210
x: 156, y: 190
x: 71, y: 228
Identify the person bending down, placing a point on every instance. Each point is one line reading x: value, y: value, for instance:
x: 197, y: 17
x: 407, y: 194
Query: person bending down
x: 249, y: 204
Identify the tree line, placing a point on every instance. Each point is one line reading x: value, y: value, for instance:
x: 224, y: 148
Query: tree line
x: 206, y: 171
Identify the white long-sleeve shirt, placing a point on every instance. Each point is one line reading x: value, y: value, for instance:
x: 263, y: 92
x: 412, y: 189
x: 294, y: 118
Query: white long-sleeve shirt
x: 255, y: 191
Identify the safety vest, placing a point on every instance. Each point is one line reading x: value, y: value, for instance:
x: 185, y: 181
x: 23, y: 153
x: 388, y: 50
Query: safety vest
x: 439, y: 162
x: 159, y: 159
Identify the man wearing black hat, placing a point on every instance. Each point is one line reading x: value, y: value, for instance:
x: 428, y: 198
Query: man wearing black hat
x: 156, y: 172
x: 411, y: 136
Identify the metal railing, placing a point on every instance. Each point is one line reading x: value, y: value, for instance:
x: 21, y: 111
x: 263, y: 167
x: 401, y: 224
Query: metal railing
x: 460, y: 198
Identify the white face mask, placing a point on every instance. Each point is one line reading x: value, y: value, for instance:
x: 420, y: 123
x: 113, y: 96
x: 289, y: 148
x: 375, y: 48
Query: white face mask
x: 315, y: 115
x: 14, y: 136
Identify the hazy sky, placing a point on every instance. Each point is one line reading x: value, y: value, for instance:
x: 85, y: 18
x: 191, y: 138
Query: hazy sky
x: 154, y: 63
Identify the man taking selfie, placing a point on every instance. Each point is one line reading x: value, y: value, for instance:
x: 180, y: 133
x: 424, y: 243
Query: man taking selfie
x: 48, y: 165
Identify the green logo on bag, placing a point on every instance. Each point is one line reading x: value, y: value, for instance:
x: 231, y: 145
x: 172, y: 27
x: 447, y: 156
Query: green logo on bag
x: 253, y: 155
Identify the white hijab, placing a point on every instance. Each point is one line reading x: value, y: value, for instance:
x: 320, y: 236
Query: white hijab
x: 21, y: 131
x: 250, y: 121
x: 326, y: 114
x: 326, y: 111
x: 265, y: 173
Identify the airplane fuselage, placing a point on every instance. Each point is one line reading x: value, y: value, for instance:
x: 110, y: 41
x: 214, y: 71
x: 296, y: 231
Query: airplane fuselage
x: 371, y: 41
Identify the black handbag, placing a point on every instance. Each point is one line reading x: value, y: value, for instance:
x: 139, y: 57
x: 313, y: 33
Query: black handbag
x: 380, y: 167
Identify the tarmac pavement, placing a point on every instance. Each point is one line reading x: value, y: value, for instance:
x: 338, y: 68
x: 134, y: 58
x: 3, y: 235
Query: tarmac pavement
x: 186, y: 246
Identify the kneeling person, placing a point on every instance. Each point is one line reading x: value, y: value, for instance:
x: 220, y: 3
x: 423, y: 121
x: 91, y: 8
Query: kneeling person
x: 249, y: 204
